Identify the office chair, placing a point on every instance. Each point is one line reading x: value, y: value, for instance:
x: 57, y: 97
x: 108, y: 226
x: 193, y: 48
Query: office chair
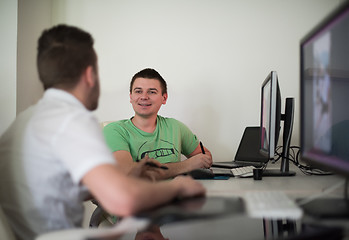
x: 5, y: 229
x: 100, y: 217
x: 105, y: 123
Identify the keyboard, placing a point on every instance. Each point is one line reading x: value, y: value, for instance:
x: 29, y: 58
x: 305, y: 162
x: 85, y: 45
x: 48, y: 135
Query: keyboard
x: 246, y: 171
x: 271, y: 205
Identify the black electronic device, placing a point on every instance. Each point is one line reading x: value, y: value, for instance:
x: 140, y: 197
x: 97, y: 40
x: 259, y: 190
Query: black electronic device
x: 324, y: 85
x: 247, y: 153
x: 210, y: 173
x: 194, y: 208
x: 201, y: 173
x: 270, y: 124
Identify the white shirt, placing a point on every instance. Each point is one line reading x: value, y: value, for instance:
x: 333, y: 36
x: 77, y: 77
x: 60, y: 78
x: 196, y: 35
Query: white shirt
x: 43, y: 157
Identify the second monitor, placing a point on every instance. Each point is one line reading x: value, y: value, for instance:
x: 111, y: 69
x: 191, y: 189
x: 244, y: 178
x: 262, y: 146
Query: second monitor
x: 270, y: 124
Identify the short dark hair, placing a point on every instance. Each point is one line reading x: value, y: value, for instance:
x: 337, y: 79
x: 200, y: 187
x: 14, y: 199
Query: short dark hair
x: 150, y: 73
x: 64, y: 52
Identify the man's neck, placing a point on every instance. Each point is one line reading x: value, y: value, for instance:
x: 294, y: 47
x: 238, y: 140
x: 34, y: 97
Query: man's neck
x: 76, y: 92
x: 145, y: 124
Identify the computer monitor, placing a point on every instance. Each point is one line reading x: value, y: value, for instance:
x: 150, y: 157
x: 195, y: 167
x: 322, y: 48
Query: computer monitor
x: 270, y: 124
x: 324, y: 85
x: 270, y: 115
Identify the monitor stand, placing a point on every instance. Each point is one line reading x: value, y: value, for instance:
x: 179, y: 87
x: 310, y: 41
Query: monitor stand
x: 283, y: 172
x: 288, y: 126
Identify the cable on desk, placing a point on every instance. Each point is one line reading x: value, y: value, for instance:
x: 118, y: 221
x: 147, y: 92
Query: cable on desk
x: 294, y: 154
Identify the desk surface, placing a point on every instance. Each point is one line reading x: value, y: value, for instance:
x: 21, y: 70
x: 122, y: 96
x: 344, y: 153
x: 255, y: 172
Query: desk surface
x: 299, y: 186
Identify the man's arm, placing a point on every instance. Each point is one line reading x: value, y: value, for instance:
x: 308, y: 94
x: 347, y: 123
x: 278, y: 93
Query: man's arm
x: 198, y: 151
x: 195, y: 160
x: 124, y: 161
x: 128, y: 166
x: 123, y: 195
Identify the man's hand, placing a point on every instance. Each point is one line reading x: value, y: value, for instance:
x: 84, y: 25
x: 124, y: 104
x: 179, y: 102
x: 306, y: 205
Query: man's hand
x: 200, y: 161
x: 188, y: 187
x: 147, y: 168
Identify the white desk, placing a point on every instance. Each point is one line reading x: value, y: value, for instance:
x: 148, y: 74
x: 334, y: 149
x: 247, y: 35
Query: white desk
x: 299, y: 186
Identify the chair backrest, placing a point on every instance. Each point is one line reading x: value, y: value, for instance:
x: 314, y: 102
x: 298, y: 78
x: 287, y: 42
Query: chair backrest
x: 105, y: 123
x: 5, y: 230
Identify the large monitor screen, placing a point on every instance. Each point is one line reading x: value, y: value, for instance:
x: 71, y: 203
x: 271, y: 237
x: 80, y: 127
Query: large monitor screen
x: 324, y: 83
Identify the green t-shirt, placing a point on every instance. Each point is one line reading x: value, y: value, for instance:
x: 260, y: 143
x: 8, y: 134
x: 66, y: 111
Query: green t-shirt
x: 170, y: 139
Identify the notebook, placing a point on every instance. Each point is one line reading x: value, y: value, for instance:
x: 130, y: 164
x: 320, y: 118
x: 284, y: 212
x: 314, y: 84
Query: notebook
x: 248, y: 151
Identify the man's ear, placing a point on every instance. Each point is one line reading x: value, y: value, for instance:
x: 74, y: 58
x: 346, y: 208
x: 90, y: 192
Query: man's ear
x: 164, y: 98
x: 89, y: 76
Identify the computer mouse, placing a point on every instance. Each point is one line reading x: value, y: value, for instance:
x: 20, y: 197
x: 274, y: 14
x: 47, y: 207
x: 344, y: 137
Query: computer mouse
x: 201, y: 173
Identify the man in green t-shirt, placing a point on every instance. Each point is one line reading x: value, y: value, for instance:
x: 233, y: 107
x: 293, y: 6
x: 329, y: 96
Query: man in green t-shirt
x: 148, y: 134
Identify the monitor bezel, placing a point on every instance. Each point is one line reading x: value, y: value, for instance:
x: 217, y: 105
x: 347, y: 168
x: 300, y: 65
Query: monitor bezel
x: 274, y: 115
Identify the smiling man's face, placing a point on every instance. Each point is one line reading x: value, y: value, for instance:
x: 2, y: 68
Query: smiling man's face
x: 146, y: 97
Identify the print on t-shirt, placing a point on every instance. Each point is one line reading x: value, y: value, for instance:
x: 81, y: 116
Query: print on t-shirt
x: 163, y: 152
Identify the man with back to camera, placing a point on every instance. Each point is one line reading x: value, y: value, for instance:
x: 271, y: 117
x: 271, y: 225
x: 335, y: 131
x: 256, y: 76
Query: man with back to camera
x: 54, y: 154
x: 148, y: 133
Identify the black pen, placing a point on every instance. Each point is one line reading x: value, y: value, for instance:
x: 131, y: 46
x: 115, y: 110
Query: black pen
x: 202, y: 148
x: 151, y: 164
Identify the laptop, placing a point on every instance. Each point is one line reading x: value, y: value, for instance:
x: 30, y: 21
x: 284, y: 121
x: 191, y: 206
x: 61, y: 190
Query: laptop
x: 248, y: 151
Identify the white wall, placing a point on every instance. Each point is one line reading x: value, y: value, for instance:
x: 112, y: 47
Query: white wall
x: 8, y: 44
x: 21, y: 22
x: 33, y: 17
x: 213, y: 54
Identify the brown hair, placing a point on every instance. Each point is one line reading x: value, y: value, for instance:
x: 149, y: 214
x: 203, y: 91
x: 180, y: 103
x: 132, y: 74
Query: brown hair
x: 64, y: 52
x: 150, y: 73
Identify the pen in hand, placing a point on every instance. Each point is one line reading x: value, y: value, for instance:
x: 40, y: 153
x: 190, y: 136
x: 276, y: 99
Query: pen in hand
x: 202, y: 148
x: 151, y: 164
